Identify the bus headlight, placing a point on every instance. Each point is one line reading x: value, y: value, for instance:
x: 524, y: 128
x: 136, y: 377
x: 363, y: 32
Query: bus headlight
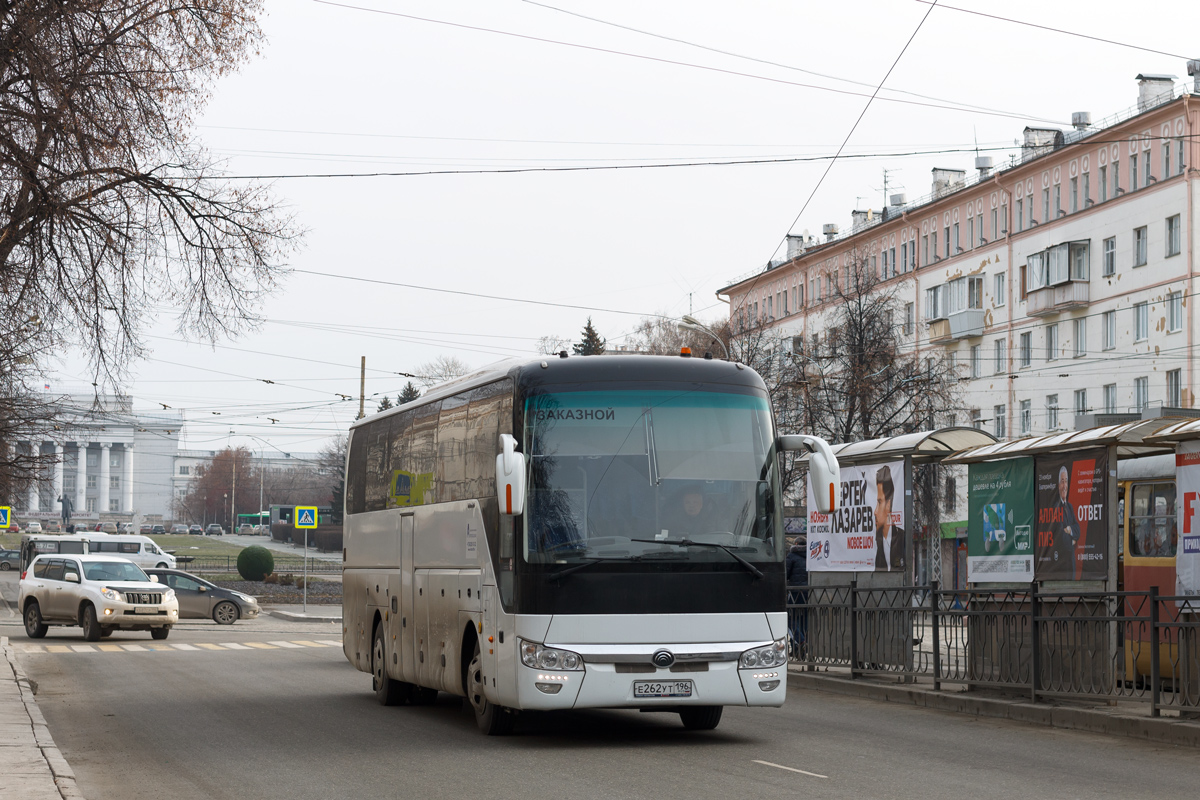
x: 773, y: 655
x: 538, y: 656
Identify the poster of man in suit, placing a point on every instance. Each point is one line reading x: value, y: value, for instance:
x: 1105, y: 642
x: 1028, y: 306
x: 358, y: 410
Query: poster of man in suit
x: 1072, y: 516
x: 865, y: 533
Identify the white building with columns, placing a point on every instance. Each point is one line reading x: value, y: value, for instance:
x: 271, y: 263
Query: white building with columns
x: 114, y: 464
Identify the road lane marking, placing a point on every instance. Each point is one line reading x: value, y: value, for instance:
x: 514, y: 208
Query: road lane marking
x: 790, y: 769
x: 261, y: 646
x: 110, y: 648
x: 57, y: 648
x: 133, y: 648
x: 330, y: 642
x: 82, y: 648
x: 30, y: 648
x: 287, y: 644
x: 307, y: 643
x: 234, y: 646
x: 161, y: 647
x: 184, y: 647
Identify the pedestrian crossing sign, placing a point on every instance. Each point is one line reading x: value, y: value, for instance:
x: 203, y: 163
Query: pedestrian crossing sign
x: 5, y: 516
x: 306, y: 516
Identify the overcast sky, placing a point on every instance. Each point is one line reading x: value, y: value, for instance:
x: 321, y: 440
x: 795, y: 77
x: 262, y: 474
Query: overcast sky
x: 344, y: 90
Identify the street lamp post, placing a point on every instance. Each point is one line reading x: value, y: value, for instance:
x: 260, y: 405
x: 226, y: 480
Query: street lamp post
x: 689, y: 323
x: 227, y: 508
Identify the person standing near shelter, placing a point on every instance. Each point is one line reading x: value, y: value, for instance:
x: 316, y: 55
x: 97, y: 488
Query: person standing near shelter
x: 889, y: 539
x: 797, y: 582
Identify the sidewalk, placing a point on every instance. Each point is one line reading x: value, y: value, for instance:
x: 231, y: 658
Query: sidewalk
x: 316, y: 613
x: 1126, y: 718
x: 33, y: 768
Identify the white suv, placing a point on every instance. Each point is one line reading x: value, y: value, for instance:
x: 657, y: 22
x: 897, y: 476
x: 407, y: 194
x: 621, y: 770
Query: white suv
x: 101, y: 594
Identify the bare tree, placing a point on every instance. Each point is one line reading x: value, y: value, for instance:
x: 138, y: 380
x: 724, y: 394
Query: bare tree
x: 441, y: 369
x: 551, y: 344
x: 660, y: 335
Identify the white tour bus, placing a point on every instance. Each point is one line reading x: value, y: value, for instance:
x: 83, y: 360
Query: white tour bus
x: 585, y: 532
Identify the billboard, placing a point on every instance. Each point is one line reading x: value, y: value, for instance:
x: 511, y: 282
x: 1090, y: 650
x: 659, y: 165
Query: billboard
x: 866, y: 532
x: 1072, y: 516
x: 1000, y: 521
x: 1187, y: 513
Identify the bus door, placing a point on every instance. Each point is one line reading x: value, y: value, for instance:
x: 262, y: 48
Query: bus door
x: 402, y: 586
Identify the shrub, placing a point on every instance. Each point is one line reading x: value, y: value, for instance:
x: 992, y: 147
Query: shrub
x: 272, y: 578
x: 300, y: 582
x: 287, y: 579
x: 255, y: 563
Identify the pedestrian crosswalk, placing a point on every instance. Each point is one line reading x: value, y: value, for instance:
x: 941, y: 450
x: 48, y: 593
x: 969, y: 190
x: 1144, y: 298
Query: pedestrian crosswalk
x: 164, y: 647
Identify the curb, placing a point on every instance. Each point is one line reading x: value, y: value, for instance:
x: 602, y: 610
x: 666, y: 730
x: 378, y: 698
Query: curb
x: 64, y: 777
x: 294, y: 617
x: 1150, y: 729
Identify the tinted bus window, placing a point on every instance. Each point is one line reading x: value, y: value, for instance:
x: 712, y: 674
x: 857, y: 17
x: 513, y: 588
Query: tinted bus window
x: 1152, y: 520
x: 422, y: 455
x: 489, y: 416
x: 399, y: 481
x: 451, y: 469
x: 377, y: 465
x: 356, y: 473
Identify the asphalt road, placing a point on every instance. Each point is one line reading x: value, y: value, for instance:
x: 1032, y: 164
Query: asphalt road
x: 298, y: 722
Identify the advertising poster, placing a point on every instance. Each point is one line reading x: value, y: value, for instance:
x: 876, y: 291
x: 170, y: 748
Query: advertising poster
x: 1000, y: 525
x: 1072, y: 516
x: 866, y: 532
x: 1187, y: 483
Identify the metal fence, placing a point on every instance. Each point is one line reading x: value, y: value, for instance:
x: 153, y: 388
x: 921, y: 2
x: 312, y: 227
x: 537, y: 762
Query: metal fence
x: 1113, y: 645
x: 224, y: 564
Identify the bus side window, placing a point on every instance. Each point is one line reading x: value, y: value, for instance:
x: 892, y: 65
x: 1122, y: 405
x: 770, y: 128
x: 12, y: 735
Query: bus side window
x: 1152, y: 521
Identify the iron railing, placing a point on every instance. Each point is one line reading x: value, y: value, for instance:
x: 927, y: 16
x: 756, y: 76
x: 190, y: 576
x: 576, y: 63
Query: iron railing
x: 1113, y: 645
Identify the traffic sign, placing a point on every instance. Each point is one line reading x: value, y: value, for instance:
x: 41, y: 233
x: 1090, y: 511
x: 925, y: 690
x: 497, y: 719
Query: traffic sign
x: 5, y: 516
x: 306, y: 516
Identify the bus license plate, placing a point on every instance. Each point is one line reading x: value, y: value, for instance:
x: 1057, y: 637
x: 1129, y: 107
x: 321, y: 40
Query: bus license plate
x: 145, y: 610
x: 662, y: 688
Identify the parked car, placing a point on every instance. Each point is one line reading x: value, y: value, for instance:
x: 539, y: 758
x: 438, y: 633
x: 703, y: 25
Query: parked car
x: 107, y: 527
x: 157, y: 529
x: 146, y: 529
x: 200, y: 599
x: 13, y: 526
x: 196, y: 530
x: 33, y: 526
x: 179, y: 527
x: 100, y: 594
x: 245, y: 529
x: 10, y: 559
x: 214, y: 529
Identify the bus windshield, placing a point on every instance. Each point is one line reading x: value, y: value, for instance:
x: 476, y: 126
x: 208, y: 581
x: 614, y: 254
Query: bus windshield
x: 670, y: 467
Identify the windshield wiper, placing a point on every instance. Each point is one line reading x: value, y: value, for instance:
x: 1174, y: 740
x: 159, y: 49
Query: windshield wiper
x: 553, y: 576
x: 686, y: 542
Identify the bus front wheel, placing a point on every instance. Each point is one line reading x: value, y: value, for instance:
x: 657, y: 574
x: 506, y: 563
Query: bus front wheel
x: 701, y: 718
x: 492, y: 719
x: 388, y: 691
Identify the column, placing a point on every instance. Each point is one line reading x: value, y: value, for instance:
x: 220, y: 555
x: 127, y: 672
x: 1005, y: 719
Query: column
x: 58, y: 479
x: 81, y: 479
x: 127, y: 485
x: 35, y: 502
x: 105, y: 481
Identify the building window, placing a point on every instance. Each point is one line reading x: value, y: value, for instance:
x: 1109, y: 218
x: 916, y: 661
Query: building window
x: 92, y: 459
x: 1020, y: 215
x: 68, y: 483
x: 90, y: 504
x: 1116, y: 176
x: 1166, y: 154
x: 995, y: 226
x: 1000, y: 355
x: 114, y: 481
x: 925, y: 249
x: 998, y: 425
x: 1051, y: 412
x: 184, y: 470
x: 1173, y: 235
x: 1174, y: 394
x: 1108, y: 321
x: 1057, y: 209
x: 1087, y: 189
x: 1110, y: 256
x: 1074, y: 195
x: 970, y: 233
x: 977, y: 419
x: 1081, y: 401
x: 1141, y: 393
x: 1175, y: 311
x: 1052, y: 342
x: 1133, y: 172
x: 114, y: 504
x: 957, y: 241
x: 1026, y: 417
x: 904, y: 258
x: 1147, y: 169
x: 1046, y: 206
x: 951, y: 493
x: 1026, y: 349
x: 1103, y: 183
x: 999, y: 289
x: 1141, y: 322
x: 909, y: 311
x: 1139, y: 246
x: 114, y: 460
x: 1179, y: 156
x: 1080, y: 337
x: 946, y: 231
x: 91, y: 481
x: 1110, y: 398
x: 975, y: 360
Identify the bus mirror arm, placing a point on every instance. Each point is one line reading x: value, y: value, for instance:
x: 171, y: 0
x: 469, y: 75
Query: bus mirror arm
x: 824, y: 473
x: 510, y: 477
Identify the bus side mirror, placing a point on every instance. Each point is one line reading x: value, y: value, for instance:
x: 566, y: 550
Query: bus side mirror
x: 510, y: 476
x: 824, y: 473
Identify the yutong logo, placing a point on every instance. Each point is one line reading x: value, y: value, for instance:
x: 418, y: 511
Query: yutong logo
x: 1191, y: 544
x: 663, y: 658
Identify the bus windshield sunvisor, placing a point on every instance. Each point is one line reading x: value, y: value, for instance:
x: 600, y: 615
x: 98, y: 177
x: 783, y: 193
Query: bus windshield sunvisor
x: 610, y: 468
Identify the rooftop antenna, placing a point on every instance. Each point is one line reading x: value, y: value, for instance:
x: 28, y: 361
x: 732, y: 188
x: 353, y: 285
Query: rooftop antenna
x: 886, y: 172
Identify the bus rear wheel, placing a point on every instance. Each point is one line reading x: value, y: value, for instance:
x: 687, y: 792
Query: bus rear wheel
x: 388, y: 691
x: 492, y: 719
x: 701, y: 718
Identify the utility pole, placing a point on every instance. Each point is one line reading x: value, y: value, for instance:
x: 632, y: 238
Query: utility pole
x: 233, y: 492
x: 362, y: 387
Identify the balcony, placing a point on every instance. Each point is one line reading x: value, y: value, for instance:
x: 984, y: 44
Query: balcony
x: 967, y: 323
x: 1053, y: 299
x: 939, y: 331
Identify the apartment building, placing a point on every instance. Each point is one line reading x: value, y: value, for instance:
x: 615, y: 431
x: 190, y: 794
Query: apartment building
x: 1061, y: 286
